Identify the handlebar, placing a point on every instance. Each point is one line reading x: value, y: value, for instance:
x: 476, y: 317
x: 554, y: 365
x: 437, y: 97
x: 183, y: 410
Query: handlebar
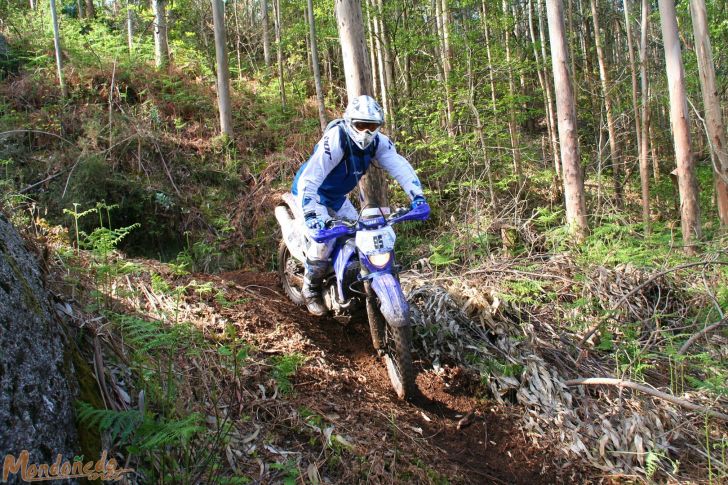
x: 338, y: 227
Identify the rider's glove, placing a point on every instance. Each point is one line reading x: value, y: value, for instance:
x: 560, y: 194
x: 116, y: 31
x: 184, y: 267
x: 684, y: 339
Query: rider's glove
x: 418, y: 201
x: 314, y: 222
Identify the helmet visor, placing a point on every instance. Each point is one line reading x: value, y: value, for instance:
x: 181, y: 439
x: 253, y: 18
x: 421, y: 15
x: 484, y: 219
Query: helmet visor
x: 370, y: 126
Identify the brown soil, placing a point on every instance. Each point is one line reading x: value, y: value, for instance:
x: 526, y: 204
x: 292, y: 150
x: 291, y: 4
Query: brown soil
x: 462, y: 438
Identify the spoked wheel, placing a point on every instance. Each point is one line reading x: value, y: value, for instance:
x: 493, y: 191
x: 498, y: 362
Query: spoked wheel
x: 290, y: 272
x: 398, y: 358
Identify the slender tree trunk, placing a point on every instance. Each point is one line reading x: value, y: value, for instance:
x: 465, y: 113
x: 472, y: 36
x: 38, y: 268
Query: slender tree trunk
x: 480, y: 132
x: 644, y: 137
x: 512, y: 126
x: 279, y: 50
x: 633, y: 73
x: 359, y: 81
x: 486, y: 31
x: 549, y: 94
x: 680, y: 120
x: 129, y: 26
x: 223, y: 73
x: 315, y: 64
x: 90, y: 9
x: 57, y: 45
x: 604, y: 78
x: 238, y: 41
x: 266, y: 35
x: 79, y: 7
x: 566, y: 112
x: 711, y: 102
x: 443, y: 23
x: 379, y: 68
x: 373, y: 53
x: 388, y: 68
x: 161, y: 48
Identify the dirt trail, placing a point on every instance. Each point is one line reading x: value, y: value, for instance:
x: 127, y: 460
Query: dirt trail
x: 446, y: 429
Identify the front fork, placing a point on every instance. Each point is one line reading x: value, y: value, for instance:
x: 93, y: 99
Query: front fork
x: 375, y: 317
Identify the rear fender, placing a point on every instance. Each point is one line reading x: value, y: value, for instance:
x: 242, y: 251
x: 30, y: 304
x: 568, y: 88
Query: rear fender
x: 392, y: 302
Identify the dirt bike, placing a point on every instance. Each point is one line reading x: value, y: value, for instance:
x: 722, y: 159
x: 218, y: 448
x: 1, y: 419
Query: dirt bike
x: 363, y: 275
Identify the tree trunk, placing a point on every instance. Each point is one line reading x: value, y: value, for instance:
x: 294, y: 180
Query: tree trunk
x: 161, y: 48
x: 604, y: 78
x: 223, y: 73
x: 388, y: 68
x: 57, y: 45
x: 486, y: 31
x: 79, y: 7
x: 372, y: 53
x: 379, y: 67
x: 359, y: 81
x: 90, y: 9
x: 566, y: 113
x: 711, y: 103
x: 633, y: 73
x: 512, y: 126
x: 315, y: 65
x: 266, y: 35
x: 447, y: 64
x: 644, y: 137
x: 279, y: 50
x: 129, y: 26
x: 238, y: 41
x: 549, y: 94
x: 479, y: 131
x: 680, y: 120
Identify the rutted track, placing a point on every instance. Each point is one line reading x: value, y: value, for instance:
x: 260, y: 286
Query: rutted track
x: 447, y: 429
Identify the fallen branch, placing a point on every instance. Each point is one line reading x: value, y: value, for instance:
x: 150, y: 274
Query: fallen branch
x: 704, y: 331
x: 609, y: 381
x: 638, y: 288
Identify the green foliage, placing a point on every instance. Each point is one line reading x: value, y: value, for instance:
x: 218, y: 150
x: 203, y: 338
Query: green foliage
x: 142, y: 431
x: 284, y: 367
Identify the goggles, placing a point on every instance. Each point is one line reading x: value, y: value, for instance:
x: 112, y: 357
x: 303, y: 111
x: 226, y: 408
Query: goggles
x: 370, y: 126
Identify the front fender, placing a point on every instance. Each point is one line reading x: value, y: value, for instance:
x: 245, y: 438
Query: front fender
x: 392, y: 302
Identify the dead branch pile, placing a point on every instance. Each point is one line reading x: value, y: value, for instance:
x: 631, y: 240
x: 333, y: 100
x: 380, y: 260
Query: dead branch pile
x: 525, y: 356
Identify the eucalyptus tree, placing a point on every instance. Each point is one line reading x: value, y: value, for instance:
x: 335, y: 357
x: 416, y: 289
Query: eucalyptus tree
x: 57, y: 45
x: 161, y: 47
x: 680, y: 121
x: 711, y: 103
x: 566, y: 115
x: 359, y: 81
x: 315, y: 66
x: 223, y: 71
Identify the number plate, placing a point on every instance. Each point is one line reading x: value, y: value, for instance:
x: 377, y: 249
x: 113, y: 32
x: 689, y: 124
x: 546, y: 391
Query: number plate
x: 375, y: 241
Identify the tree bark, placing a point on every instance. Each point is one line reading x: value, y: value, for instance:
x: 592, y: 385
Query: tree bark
x: 129, y: 26
x: 645, y: 112
x: 447, y: 64
x: 512, y: 126
x: 266, y: 34
x: 680, y: 121
x: 57, y: 45
x: 238, y: 41
x: 358, y: 82
x: 223, y: 73
x: 90, y: 9
x: 604, y: 78
x: 549, y: 94
x: 161, y: 48
x: 372, y: 53
x: 315, y: 65
x: 711, y: 103
x: 566, y: 112
x: 633, y: 73
x: 486, y: 31
x: 388, y: 68
x: 279, y: 50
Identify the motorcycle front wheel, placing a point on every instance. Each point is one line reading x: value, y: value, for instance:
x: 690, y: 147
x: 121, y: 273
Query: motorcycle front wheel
x: 398, y: 359
x: 290, y: 272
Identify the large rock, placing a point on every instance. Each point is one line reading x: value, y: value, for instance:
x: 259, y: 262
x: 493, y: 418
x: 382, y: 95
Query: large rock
x: 36, y: 387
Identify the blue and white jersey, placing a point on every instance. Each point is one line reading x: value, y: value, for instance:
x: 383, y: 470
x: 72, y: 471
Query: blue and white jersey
x: 337, y: 164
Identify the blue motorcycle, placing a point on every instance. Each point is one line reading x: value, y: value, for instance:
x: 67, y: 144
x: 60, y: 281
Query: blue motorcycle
x: 363, y: 275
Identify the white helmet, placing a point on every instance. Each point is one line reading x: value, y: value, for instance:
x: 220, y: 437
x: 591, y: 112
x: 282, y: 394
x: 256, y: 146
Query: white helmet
x: 363, y: 119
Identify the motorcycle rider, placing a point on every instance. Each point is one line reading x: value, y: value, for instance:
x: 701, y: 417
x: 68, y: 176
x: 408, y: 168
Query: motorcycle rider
x: 322, y: 184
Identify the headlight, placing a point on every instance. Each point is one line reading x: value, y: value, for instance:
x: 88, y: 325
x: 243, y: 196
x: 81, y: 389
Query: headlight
x: 380, y: 260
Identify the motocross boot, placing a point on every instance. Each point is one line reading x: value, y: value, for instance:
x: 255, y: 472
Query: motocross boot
x: 312, y: 282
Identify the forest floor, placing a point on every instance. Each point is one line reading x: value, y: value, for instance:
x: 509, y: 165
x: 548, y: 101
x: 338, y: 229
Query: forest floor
x: 446, y: 428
